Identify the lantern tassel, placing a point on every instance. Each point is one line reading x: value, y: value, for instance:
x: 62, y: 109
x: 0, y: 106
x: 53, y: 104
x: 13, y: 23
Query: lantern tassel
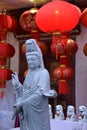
x: 63, y: 87
x: 2, y: 89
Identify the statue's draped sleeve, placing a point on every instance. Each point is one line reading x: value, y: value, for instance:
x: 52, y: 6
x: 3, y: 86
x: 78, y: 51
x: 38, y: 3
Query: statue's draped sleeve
x: 44, y: 84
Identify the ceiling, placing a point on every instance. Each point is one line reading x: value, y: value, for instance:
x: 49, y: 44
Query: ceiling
x: 18, y: 4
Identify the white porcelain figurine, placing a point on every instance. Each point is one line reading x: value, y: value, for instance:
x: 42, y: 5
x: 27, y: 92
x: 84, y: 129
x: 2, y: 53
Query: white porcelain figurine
x: 71, y: 116
x: 82, y: 114
x: 59, y: 112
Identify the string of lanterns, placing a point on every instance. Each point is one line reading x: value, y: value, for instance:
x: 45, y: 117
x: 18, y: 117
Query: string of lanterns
x: 7, y: 24
x: 63, y: 48
x: 59, y: 18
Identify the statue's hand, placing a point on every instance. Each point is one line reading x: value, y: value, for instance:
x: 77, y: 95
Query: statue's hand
x: 15, y: 80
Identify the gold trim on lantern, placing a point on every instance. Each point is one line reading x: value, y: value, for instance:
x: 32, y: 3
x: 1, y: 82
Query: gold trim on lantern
x: 33, y: 10
x: 62, y: 80
x: 63, y: 56
x: 57, y: 33
x: 62, y: 65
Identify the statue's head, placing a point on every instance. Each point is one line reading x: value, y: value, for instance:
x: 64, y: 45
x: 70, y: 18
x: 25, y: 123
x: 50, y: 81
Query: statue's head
x: 59, y: 109
x: 70, y: 110
x: 82, y: 110
x: 33, y: 50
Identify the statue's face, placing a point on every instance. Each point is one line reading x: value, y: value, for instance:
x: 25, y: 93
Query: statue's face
x: 70, y: 112
x: 33, y: 61
x: 82, y: 112
x: 58, y: 110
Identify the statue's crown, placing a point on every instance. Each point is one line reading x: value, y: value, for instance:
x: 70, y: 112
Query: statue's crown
x: 31, y: 47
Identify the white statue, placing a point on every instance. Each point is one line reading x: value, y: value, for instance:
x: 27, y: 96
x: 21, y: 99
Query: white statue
x: 33, y: 94
x: 82, y: 114
x: 50, y: 112
x: 59, y: 112
x: 71, y: 113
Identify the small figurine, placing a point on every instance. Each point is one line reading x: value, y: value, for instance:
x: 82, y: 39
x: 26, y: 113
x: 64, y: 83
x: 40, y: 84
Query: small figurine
x: 82, y: 114
x: 59, y: 112
x: 50, y: 112
x: 71, y: 113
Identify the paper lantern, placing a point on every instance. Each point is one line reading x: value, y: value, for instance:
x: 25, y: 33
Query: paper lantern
x: 63, y: 73
x: 5, y: 74
x: 84, y: 17
x: 13, y: 25
x: 7, y: 23
x: 27, y: 21
x: 57, y: 16
x: 6, y: 50
x: 59, y: 48
x: 71, y: 47
x: 64, y: 46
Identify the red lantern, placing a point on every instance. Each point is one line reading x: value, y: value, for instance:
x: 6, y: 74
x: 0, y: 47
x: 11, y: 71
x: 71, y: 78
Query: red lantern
x: 13, y: 25
x: 8, y: 50
x: 71, y: 47
x: 84, y: 17
x: 63, y: 73
x: 5, y: 74
x: 27, y: 21
x: 64, y: 46
x: 57, y: 16
x: 6, y: 22
x: 59, y: 48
